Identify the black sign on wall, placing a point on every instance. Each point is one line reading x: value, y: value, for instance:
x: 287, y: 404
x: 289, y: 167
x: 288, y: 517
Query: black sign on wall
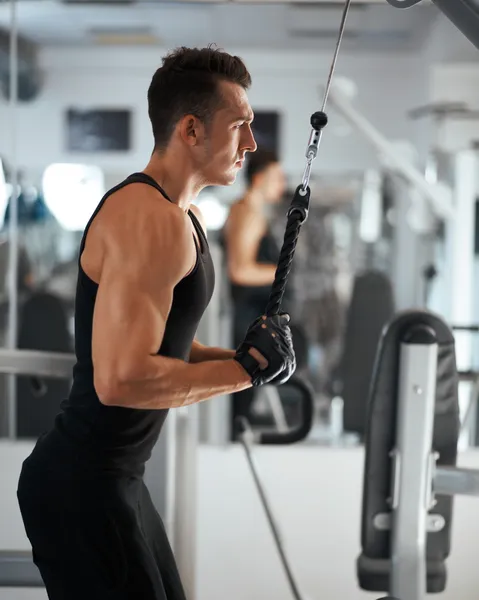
x: 98, y: 130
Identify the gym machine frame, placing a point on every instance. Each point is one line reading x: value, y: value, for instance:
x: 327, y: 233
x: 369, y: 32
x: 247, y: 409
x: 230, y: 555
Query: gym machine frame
x: 416, y: 479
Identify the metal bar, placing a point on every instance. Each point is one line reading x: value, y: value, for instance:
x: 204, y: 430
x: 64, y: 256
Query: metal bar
x: 459, y: 265
x: 247, y: 438
x: 13, y: 224
x: 440, y: 202
x: 470, y: 328
x: 184, y: 534
x: 412, y: 476
x: 276, y: 406
x: 214, y: 415
x: 469, y: 413
x: 318, y: 2
x: 34, y: 362
x: 449, y: 481
x: 406, y: 267
x: 18, y: 570
x: 170, y: 476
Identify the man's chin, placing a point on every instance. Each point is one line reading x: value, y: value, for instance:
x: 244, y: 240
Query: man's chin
x: 228, y: 179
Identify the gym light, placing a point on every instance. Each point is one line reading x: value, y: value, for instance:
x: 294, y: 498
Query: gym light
x: 72, y: 192
x: 214, y: 212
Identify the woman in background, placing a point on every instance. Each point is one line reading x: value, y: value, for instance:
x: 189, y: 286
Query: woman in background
x: 252, y: 252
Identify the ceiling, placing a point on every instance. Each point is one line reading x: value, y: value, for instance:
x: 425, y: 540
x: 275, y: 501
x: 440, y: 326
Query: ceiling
x: 372, y: 24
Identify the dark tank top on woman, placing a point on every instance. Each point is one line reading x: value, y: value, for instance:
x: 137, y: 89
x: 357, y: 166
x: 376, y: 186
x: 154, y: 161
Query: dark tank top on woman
x: 249, y: 301
x: 90, y: 434
x: 257, y: 296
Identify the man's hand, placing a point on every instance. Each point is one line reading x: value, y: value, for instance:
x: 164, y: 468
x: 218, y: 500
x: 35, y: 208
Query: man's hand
x: 267, y: 352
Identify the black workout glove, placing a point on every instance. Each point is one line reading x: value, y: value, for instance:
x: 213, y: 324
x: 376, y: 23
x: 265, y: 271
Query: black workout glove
x: 271, y: 337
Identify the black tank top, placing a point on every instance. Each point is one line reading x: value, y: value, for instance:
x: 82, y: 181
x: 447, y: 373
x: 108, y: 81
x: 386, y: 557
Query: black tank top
x: 110, y: 437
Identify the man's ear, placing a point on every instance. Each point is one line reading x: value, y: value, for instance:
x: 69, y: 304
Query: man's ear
x: 192, y: 130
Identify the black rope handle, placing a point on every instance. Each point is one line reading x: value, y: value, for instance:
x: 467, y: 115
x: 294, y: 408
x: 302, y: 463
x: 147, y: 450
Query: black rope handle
x: 297, y: 215
x: 298, y: 211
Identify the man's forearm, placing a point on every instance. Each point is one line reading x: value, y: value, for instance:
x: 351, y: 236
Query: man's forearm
x: 200, y: 353
x: 163, y: 382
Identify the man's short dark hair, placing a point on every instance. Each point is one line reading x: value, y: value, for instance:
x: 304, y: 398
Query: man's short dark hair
x: 258, y: 162
x: 187, y: 83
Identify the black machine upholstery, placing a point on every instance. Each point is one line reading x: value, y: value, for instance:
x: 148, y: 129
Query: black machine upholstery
x: 370, y: 309
x: 374, y: 565
x: 43, y: 326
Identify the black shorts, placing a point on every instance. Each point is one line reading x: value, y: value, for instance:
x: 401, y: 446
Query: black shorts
x: 96, y: 538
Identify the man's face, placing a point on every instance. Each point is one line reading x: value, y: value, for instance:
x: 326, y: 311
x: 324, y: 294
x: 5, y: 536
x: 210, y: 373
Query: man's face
x: 228, y: 137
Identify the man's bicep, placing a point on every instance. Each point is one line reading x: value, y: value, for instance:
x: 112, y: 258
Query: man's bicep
x: 128, y: 323
x: 134, y: 299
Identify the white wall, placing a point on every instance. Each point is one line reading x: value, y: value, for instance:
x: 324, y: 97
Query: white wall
x: 316, y: 496
x: 290, y: 82
x: 457, y: 82
x: 446, y: 43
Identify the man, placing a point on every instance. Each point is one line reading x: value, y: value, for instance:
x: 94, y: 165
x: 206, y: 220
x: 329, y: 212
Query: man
x: 252, y: 253
x: 145, y: 279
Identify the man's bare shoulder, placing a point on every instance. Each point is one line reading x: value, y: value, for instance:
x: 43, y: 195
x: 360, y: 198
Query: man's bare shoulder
x: 139, y: 210
x: 138, y: 225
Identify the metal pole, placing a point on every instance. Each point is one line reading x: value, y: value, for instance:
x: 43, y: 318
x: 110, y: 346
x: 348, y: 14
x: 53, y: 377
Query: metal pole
x: 459, y: 254
x: 406, y: 267
x: 184, y: 525
x: 246, y: 441
x: 13, y: 225
x: 450, y: 481
x: 412, y: 478
x: 214, y: 415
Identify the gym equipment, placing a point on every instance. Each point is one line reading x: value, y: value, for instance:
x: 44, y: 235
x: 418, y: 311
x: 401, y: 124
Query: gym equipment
x: 297, y: 215
x: 410, y: 475
x: 463, y: 13
x: 248, y: 437
x: 43, y: 325
x: 291, y: 435
x: 438, y: 195
x: 299, y: 207
x: 370, y: 309
x: 469, y: 421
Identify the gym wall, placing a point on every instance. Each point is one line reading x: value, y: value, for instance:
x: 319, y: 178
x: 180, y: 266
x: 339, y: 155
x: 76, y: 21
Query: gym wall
x: 95, y: 78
